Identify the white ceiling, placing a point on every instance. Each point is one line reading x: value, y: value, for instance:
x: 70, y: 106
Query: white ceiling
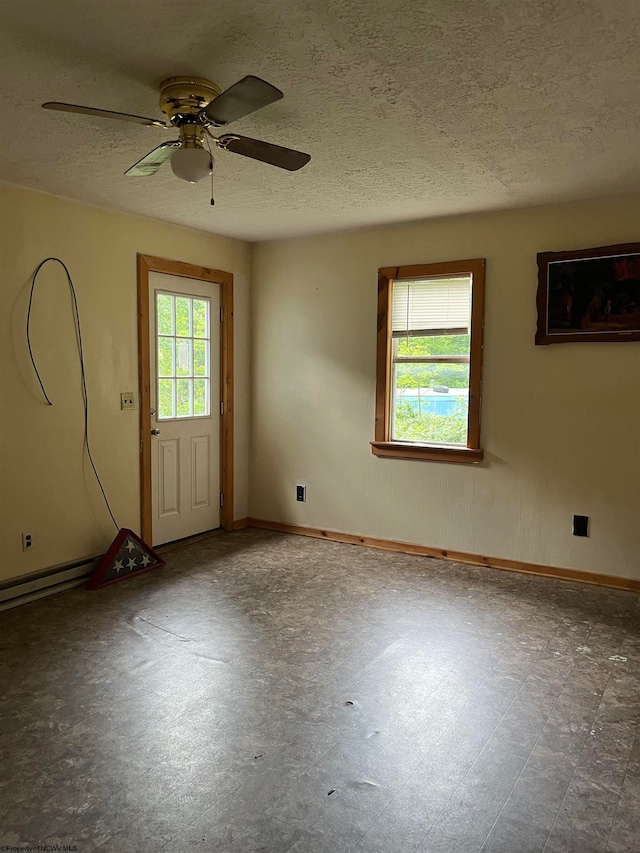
x: 409, y: 109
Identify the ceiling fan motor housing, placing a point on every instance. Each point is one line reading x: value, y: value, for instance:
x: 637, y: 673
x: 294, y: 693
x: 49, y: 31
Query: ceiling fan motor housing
x: 191, y: 134
x: 183, y: 98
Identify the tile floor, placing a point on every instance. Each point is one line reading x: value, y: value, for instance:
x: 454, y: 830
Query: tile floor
x: 273, y: 693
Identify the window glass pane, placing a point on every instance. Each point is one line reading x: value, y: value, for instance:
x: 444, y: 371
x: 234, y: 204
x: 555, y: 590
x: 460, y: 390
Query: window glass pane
x: 183, y: 316
x: 200, y: 360
x: 164, y: 314
x: 166, y: 365
x: 183, y: 396
x: 434, y: 345
x: 431, y: 403
x: 183, y: 357
x: 200, y: 397
x: 166, y: 407
x: 429, y: 376
x: 200, y: 318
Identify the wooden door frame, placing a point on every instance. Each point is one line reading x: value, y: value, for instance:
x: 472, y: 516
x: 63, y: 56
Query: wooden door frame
x: 147, y: 264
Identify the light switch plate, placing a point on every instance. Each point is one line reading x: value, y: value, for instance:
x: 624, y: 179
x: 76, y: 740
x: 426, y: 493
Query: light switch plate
x: 127, y: 400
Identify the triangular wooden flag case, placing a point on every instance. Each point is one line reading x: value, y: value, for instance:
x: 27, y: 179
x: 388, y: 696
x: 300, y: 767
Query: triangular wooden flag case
x: 127, y: 555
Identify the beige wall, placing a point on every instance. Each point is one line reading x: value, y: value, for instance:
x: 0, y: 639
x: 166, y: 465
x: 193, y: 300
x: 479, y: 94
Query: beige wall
x: 560, y: 424
x: 46, y: 486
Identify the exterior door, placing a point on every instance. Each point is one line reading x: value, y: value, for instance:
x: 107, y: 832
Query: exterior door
x: 184, y: 338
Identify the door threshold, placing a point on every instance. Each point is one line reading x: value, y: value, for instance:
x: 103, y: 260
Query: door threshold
x: 188, y: 540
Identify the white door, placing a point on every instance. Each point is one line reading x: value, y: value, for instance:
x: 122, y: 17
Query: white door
x: 185, y: 406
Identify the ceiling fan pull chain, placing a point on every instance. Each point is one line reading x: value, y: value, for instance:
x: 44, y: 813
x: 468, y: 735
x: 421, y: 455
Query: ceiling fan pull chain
x: 208, y: 144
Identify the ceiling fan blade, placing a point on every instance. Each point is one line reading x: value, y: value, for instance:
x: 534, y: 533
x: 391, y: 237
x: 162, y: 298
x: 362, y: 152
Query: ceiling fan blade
x: 244, y: 97
x: 276, y: 155
x: 92, y: 111
x: 152, y: 161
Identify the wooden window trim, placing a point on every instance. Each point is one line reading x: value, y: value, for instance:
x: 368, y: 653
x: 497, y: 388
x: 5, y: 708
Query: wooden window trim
x: 382, y: 445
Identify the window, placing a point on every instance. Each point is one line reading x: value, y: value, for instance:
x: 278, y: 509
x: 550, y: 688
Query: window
x: 429, y: 365
x: 182, y: 324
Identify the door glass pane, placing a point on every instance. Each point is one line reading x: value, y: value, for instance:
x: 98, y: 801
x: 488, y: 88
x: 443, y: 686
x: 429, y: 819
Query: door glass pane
x: 183, y: 349
x: 200, y: 396
x: 165, y: 314
x: 183, y: 316
x: 183, y: 395
x: 166, y: 366
x: 183, y: 357
x: 200, y: 317
x: 200, y: 359
x: 166, y: 403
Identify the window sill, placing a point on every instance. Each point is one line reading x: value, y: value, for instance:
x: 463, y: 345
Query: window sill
x: 431, y: 452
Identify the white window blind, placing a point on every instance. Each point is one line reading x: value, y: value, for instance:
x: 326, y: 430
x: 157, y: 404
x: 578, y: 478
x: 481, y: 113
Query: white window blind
x: 428, y: 304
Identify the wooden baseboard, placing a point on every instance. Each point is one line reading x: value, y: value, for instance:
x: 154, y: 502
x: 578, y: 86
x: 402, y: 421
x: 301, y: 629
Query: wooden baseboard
x: 240, y: 523
x: 456, y: 556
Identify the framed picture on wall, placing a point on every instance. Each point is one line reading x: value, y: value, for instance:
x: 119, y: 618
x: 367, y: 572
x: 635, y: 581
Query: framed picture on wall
x: 589, y: 295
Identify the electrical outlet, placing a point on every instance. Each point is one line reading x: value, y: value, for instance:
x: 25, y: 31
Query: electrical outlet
x: 301, y: 493
x: 27, y: 541
x: 127, y: 400
x: 580, y: 525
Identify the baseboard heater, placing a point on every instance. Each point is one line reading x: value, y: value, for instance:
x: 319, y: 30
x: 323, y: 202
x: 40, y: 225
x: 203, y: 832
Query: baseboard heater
x: 13, y: 593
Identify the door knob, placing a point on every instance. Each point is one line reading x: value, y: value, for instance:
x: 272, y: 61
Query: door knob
x: 155, y: 432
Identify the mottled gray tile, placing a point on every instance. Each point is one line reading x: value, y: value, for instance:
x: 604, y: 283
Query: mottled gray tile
x: 513, y: 836
x: 216, y: 704
x: 266, y: 835
x: 302, y: 800
x: 351, y: 811
x: 585, y: 817
x: 472, y: 810
x: 626, y: 823
x: 538, y: 792
x: 603, y: 769
x: 160, y: 824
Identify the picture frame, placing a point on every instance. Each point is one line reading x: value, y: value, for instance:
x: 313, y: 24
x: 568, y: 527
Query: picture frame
x: 589, y: 295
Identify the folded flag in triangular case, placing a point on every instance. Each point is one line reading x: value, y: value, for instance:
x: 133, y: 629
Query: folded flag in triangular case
x: 128, y: 555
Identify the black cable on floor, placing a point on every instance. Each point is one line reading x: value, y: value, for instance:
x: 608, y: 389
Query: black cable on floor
x: 85, y: 397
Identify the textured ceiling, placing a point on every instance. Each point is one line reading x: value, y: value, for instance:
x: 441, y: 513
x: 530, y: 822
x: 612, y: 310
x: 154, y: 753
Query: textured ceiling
x: 409, y: 109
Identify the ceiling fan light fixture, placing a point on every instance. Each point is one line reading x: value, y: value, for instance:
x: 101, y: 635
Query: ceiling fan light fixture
x: 191, y: 164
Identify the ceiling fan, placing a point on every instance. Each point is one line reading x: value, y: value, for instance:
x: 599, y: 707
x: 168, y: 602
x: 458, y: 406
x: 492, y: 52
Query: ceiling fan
x: 194, y: 106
